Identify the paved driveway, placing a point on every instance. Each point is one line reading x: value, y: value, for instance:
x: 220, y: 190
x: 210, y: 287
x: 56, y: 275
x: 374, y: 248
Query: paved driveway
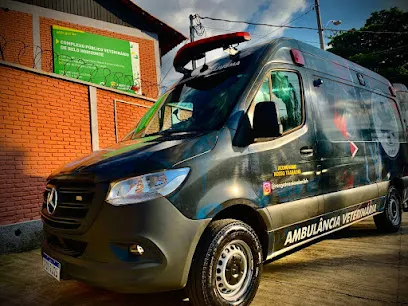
x: 356, y: 266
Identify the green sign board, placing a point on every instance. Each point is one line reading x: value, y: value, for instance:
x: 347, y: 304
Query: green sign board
x: 98, y: 59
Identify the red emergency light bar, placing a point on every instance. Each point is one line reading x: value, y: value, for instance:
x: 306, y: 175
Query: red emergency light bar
x: 197, y: 49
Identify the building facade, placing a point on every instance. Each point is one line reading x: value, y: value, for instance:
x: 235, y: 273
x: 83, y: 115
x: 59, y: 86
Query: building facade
x: 75, y: 76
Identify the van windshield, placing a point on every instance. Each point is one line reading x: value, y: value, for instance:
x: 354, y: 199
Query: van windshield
x: 200, y: 102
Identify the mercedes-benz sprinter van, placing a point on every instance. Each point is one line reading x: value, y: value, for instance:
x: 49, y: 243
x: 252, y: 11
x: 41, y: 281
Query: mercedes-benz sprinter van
x: 244, y: 158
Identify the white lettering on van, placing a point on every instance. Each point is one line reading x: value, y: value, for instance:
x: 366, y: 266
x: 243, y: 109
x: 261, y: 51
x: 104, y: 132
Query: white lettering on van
x: 327, y: 225
x: 227, y: 65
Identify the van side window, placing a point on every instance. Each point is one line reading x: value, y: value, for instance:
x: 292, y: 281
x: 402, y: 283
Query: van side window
x: 263, y: 93
x: 387, y: 126
x: 287, y: 96
x: 277, y: 106
x: 343, y: 116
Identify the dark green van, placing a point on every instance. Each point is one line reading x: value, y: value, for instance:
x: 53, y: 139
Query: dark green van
x: 402, y: 98
x: 243, y: 159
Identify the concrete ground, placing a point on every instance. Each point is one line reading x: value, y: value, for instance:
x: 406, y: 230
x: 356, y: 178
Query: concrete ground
x: 356, y: 266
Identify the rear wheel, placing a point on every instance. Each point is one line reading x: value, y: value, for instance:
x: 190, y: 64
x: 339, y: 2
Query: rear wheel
x: 390, y: 220
x: 227, y: 266
x: 405, y: 200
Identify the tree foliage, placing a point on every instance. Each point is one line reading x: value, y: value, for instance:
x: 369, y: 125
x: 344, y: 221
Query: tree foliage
x: 386, y: 54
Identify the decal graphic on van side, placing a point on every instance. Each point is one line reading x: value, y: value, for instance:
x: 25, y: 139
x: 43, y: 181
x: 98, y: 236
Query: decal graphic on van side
x: 287, y: 170
x: 227, y: 65
x: 385, y: 123
x: 289, y: 184
x: 340, y: 122
x: 267, y: 188
x: 301, y: 232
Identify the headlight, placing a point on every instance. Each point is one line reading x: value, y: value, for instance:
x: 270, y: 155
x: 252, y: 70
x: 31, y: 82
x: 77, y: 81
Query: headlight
x: 146, y: 187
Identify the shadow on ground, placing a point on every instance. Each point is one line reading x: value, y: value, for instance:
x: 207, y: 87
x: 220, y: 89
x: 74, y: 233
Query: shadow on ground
x: 351, y: 266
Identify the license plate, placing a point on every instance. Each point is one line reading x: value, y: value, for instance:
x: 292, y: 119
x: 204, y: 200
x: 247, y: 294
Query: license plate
x: 52, y: 266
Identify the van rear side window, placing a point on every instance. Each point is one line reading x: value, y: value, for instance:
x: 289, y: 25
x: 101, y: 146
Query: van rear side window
x: 387, y: 126
x: 344, y: 118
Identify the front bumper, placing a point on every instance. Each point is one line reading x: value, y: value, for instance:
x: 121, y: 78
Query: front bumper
x: 168, y: 238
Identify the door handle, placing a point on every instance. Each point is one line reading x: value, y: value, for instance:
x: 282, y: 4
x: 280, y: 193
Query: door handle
x: 306, y: 151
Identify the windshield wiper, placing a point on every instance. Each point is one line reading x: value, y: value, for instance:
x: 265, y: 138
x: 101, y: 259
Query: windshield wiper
x: 156, y: 133
x: 174, y: 132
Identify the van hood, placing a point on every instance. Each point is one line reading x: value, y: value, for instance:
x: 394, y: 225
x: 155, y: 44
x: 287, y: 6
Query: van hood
x: 137, y: 157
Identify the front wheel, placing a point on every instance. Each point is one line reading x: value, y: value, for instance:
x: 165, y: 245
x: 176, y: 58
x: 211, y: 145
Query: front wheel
x: 227, y: 265
x: 390, y: 220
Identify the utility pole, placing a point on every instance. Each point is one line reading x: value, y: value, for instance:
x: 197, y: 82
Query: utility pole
x: 319, y: 24
x: 192, y: 37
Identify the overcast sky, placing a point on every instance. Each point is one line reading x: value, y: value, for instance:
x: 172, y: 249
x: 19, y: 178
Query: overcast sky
x: 352, y: 13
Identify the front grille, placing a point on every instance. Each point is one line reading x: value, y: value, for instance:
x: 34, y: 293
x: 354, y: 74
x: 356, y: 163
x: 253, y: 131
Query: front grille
x: 73, y: 203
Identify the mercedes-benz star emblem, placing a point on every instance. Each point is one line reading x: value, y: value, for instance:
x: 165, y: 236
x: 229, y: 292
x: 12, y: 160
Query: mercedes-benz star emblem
x: 52, y: 201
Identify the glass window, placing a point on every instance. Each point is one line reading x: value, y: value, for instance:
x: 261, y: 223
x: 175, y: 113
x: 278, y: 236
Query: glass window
x: 343, y: 116
x: 387, y: 126
x: 402, y: 97
x: 202, y: 100
x: 287, y: 96
x: 180, y: 112
x: 263, y: 93
x: 199, y: 104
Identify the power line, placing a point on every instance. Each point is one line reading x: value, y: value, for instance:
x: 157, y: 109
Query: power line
x: 298, y: 27
x: 256, y: 35
x: 229, y: 31
x: 388, y: 50
x: 218, y: 30
x: 311, y: 41
x: 171, y: 67
x: 260, y: 37
x: 293, y: 20
x: 164, y: 64
x: 286, y: 23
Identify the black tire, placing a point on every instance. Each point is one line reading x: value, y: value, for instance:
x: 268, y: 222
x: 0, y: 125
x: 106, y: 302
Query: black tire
x: 390, y: 220
x: 219, y: 265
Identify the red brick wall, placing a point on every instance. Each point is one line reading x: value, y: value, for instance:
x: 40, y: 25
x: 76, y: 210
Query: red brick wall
x: 146, y: 51
x: 17, y: 30
x: 127, y: 115
x: 44, y: 120
x: 44, y: 123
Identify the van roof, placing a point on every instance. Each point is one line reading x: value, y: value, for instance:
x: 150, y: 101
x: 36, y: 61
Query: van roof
x: 400, y: 87
x: 315, y: 59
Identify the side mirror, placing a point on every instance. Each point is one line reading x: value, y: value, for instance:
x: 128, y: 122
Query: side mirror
x: 244, y: 134
x: 266, y: 121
